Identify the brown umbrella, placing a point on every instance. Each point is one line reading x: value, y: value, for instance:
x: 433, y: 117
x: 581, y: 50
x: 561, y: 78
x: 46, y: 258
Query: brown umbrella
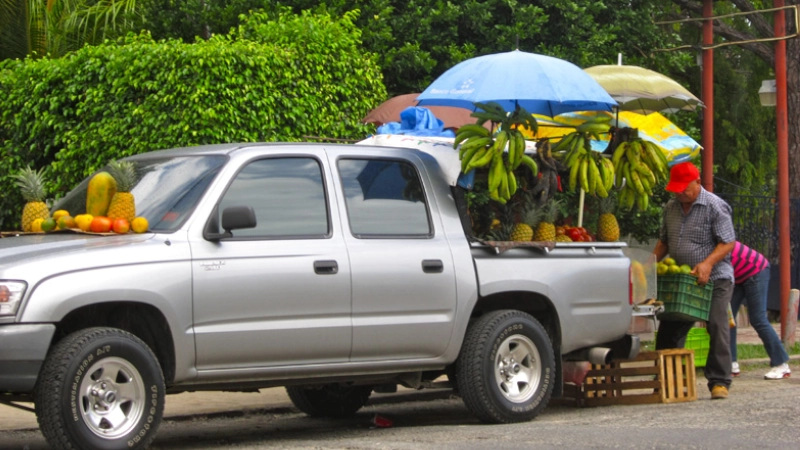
x: 389, y: 111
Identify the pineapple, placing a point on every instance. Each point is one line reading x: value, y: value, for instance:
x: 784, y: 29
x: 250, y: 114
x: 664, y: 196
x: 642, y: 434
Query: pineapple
x: 563, y: 238
x: 502, y: 226
x: 122, y: 203
x: 523, y: 231
x: 546, y: 231
x: 31, y: 184
x: 607, y: 226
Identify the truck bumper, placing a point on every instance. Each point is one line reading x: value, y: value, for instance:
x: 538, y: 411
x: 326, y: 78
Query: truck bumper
x: 23, y: 348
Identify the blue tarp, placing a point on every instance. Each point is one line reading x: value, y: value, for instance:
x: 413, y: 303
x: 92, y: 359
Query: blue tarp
x: 416, y: 121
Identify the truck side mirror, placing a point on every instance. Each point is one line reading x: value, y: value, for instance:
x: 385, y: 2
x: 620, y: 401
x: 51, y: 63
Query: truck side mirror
x: 233, y: 218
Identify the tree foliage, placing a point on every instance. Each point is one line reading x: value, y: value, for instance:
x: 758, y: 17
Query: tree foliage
x: 55, y: 27
x: 417, y: 40
x: 277, y: 78
x: 745, y: 132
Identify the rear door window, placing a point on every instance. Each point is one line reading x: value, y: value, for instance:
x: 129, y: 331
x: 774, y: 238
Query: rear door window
x: 384, y: 198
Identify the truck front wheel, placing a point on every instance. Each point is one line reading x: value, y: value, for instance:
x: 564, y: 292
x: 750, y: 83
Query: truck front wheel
x: 330, y: 400
x: 506, y: 367
x: 100, y: 388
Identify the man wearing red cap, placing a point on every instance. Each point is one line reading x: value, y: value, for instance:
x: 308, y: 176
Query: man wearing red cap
x: 697, y: 230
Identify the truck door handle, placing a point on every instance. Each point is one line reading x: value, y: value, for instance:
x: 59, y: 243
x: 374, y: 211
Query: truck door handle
x: 328, y: 267
x: 432, y: 266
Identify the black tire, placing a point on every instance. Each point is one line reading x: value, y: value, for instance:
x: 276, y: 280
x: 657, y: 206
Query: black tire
x: 100, y: 389
x: 506, y: 369
x: 330, y: 400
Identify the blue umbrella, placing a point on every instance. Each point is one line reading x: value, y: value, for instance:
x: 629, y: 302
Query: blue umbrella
x: 540, y: 84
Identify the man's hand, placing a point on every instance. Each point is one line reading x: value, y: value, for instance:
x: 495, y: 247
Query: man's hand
x: 702, y: 271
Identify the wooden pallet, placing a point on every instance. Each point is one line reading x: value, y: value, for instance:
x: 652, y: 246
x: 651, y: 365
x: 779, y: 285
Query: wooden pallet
x: 664, y: 376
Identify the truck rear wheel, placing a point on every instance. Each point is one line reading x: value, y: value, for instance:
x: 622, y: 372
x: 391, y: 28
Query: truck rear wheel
x: 100, y: 388
x: 506, y: 367
x: 330, y: 400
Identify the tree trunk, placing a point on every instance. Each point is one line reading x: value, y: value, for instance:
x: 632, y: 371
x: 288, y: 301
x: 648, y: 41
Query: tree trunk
x: 793, y: 113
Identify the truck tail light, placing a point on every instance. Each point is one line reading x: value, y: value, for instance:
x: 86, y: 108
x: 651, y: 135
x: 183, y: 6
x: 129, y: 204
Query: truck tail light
x: 630, y: 286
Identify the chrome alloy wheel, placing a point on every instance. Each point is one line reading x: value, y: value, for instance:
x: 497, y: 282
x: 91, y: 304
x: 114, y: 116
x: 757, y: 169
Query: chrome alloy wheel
x: 517, y: 368
x: 112, y: 397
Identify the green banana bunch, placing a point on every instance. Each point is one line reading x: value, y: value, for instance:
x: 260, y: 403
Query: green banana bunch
x: 639, y: 165
x: 516, y: 148
x: 593, y: 173
x: 470, y: 131
x: 491, y: 111
x: 588, y: 170
x: 596, y: 126
x: 502, y: 182
x: 644, y: 158
x: 628, y: 197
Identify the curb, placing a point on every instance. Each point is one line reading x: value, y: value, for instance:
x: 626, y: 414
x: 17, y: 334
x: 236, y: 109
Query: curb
x: 765, y: 360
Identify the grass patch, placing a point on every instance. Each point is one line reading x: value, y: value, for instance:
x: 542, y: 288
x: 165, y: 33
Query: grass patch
x: 754, y: 351
x: 743, y: 351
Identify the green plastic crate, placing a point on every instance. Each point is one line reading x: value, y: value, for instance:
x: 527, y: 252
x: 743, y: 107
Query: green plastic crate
x: 683, y: 298
x: 698, y: 340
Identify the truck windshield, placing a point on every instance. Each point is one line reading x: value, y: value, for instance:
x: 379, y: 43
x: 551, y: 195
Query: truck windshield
x: 167, y: 189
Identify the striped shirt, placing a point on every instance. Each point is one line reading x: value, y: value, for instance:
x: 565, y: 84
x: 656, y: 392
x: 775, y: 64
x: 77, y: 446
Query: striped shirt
x: 746, y: 262
x: 691, y: 237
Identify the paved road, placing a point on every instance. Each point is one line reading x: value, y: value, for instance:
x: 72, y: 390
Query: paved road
x: 760, y: 414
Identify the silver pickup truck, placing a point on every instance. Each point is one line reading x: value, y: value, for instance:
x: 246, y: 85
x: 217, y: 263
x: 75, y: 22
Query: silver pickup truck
x: 332, y: 270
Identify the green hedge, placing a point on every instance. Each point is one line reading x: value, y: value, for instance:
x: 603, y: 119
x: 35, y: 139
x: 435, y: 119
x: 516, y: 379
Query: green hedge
x: 274, y: 79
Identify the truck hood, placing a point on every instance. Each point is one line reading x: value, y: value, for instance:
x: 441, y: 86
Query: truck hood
x: 62, y: 251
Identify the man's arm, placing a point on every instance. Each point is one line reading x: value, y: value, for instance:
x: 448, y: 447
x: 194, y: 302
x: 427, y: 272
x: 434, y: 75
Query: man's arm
x: 661, y: 250
x: 703, y: 270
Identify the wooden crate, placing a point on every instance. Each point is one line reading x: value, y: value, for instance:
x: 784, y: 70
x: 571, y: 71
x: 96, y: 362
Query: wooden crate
x: 664, y: 376
x: 678, y: 376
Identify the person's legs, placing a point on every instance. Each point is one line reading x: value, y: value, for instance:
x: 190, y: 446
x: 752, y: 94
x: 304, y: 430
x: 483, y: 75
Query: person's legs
x: 672, y: 334
x: 718, y: 364
x: 736, y: 302
x: 756, y: 300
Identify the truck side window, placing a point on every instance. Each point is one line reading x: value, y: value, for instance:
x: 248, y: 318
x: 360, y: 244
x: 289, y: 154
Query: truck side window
x: 384, y: 198
x: 287, y: 195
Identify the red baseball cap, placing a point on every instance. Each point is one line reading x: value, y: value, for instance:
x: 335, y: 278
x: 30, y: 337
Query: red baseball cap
x: 681, y: 175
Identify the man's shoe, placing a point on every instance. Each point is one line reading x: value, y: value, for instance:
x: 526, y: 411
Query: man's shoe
x: 735, y: 369
x: 778, y: 372
x: 719, y: 392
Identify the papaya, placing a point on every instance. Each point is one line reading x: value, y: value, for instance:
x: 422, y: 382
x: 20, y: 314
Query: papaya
x: 102, y: 187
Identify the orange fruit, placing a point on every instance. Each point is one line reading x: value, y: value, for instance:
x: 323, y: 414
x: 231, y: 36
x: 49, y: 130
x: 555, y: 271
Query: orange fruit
x: 139, y: 225
x: 120, y: 226
x: 100, y: 224
x: 36, y: 225
x: 65, y: 222
x: 84, y: 221
x: 49, y: 224
x: 60, y: 213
